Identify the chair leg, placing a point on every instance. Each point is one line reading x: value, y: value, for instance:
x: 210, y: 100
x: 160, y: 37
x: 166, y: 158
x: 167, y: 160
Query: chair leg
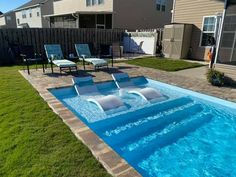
x: 52, y: 67
x: 27, y: 65
x: 84, y: 64
x: 36, y: 65
x: 43, y: 67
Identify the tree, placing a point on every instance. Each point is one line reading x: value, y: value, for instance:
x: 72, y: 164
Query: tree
x: 1, y: 13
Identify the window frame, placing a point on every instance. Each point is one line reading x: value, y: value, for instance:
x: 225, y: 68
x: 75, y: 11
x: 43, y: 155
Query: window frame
x: 24, y: 14
x: 202, y: 32
x: 162, y: 5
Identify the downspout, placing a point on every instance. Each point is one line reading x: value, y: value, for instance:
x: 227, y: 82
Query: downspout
x: 173, y: 12
x: 221, y: 31
x: 76, y: 16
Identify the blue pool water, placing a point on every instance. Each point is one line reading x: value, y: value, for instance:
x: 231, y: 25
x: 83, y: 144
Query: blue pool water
x: 183, y: 134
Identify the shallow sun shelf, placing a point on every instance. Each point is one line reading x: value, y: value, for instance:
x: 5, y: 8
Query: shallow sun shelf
x: 86, y: 86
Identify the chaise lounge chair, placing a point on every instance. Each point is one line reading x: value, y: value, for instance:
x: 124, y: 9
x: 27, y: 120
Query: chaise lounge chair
x: 55, y: 56
x: 123, y: 81
x: 84, y: 54
x: 86, y: 86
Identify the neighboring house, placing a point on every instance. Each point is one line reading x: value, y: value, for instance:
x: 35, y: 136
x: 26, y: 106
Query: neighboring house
x: 31, y: 14
x: 8, y: 20
x: 107, y: 14
x: 206, y: 17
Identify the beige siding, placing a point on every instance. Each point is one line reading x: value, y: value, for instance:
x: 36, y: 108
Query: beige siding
x: 192, y: 12
x: 2, y: 21
x: 134, y: 14
x: 71, y: 6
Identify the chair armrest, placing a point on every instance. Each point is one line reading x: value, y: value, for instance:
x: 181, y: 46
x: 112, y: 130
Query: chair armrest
x: 83, y: 56
x: 23, y: 55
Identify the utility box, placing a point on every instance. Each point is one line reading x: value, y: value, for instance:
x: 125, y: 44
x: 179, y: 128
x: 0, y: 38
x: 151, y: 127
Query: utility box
x: 176, y: 40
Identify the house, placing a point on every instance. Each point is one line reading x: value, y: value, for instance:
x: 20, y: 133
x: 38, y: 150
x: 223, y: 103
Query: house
x: 31, y: 14
x: 8, y: 20
x: 107, y: 14
x: 206, y: 16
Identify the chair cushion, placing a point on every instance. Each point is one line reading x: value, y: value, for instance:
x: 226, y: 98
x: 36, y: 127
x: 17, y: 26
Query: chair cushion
x: 64, y: 63
x: 97, y: 61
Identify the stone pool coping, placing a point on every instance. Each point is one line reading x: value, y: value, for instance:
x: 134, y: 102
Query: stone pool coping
x: 112, y: 162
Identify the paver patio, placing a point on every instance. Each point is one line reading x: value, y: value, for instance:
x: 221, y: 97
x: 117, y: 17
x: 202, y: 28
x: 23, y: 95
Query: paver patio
x: 110, y: 159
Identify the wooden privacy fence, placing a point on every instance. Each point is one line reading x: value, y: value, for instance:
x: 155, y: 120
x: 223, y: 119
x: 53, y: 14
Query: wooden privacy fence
x: 37, y: 37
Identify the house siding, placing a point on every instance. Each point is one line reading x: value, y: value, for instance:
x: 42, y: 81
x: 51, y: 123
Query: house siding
x: 2, y: 21
x: 133, y: 14
x: 192, y: 12
x: 72, y: 6
x: 34, y: 21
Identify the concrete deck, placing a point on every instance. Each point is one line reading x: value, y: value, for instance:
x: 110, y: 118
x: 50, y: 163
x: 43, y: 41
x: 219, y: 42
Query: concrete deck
x: 110, y: 159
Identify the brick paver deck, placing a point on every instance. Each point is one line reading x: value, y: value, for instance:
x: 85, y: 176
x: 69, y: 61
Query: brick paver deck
x: 109, y: 158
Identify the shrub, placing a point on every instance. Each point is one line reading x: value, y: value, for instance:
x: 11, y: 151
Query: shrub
x: 216, y: 78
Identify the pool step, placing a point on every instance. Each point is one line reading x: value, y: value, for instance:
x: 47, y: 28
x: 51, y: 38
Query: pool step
x: 131, y: 132
x: 120, y: 120
x: 166, y: 138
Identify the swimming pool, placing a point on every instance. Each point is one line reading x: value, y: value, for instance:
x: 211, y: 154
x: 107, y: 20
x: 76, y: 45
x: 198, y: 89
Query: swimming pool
x: 184, y: 134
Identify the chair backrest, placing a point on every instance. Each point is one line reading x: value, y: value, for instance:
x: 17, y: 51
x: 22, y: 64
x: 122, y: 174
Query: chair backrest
x: 104, y: 49
x: 28, y: 51
x: 122, y: 80
x: 83, y: 50
x: 84, y: 85
x: 53, y: 51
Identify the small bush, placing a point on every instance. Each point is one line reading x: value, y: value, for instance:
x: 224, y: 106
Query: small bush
x: 216, y: 78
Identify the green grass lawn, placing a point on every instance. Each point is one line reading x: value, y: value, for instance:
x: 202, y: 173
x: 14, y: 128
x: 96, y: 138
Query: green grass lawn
x: 163, y: 63
x: 33, y: 140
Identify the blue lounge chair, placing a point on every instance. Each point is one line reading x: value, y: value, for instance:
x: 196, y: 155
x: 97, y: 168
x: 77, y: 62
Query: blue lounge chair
x: 55, y: 56
x: 84, y: 54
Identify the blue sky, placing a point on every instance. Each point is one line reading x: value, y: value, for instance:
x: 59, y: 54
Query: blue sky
x: 6, y: 5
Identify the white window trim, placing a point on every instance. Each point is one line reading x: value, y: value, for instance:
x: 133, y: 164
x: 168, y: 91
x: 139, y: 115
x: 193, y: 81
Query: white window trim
x: 200, y: 42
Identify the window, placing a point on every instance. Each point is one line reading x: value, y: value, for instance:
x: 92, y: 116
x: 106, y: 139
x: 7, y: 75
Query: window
x: 161, y: 5
x: 88, y: 2
x: 38, y: 12
x: 8, y: 18
x: 18, y: 21
x: 100, y: 1
x: 30, y: 13
x: 208, y: 30
x: 94, y: 2
x: 23, y: 14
